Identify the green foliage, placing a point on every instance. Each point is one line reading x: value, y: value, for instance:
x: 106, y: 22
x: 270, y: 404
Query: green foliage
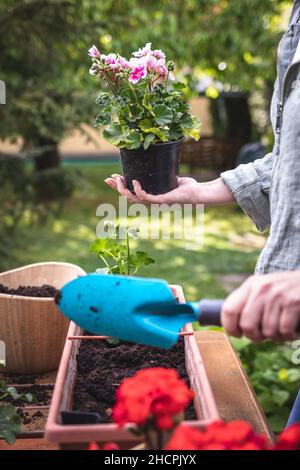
x: 29, y: 197
x: 12, y: 394
x: 48, y: 91
x: 116, y: 254
x: 273, y: 376
x: 159, y: 115
x: 15, y: 195
x: 10, y: 423
x: 53, y: 184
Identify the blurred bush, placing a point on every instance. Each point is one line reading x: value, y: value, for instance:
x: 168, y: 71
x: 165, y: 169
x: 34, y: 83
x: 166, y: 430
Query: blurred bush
x: 29, y: 197
x: 55, y: 184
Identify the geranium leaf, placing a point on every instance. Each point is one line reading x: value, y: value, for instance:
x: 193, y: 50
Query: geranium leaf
x: 148, y: 140
x: 102, y: 119
x: 114, y: 134
x: 10, y: 423
x: 133, y: 140
x: 163, y: 114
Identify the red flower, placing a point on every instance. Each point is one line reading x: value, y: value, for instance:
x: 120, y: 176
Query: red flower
x: 111, y: 446
x: 289, y: 439
x: 151, y: 393
x: 93, y: 446
x: 237, y: 435
x: 107, y: 446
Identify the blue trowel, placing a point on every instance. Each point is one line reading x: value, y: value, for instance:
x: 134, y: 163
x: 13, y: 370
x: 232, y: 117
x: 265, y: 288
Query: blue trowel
x: 140, y: 310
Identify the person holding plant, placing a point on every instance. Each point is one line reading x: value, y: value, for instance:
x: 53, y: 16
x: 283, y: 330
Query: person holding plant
x: 144, y: 113
x: 268, y: 191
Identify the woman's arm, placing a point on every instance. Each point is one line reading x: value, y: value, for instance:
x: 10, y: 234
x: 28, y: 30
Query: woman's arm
x: 189, y: 191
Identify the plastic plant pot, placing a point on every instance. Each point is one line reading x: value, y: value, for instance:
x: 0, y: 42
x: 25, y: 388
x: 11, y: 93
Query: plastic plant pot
x: 155, y: 168
x: 77, y: 436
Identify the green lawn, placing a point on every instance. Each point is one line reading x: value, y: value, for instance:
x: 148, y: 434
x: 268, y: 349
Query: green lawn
x: 67, y: 238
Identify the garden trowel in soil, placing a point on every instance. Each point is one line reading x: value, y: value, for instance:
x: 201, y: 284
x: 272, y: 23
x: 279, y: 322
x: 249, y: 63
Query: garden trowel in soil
x: 140, y: 310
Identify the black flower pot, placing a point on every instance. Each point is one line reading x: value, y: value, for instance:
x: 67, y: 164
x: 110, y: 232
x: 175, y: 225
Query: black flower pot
x: 155, y: 168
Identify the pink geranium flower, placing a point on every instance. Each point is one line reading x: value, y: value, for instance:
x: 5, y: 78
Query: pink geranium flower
x: 93, y: 52
x: 151, y: 63
x: 137, y: 72
x: 111, y: 60
x: 158, y: 54
x: 122, y: 63
x: 143, y: 51
x: 161, y: 69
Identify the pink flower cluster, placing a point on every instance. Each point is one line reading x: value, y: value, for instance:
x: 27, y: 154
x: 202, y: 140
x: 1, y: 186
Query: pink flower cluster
x: 143, y: 62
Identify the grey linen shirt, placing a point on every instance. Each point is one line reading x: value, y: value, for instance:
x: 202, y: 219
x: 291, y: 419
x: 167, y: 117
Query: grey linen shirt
x: 268, y: 190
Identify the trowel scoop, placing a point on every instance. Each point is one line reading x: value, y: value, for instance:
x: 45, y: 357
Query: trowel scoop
x: 139, y: 310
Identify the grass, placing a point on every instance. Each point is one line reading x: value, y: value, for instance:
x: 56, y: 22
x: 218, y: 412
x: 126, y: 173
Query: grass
x: 67, y: 238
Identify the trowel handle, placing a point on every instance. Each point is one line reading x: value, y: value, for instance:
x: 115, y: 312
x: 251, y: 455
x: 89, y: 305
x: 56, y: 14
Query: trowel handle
x: 209, y: 312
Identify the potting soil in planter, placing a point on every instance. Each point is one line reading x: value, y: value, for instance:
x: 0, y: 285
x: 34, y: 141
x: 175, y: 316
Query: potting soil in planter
x: 102, y: 368
x: 30, y: 291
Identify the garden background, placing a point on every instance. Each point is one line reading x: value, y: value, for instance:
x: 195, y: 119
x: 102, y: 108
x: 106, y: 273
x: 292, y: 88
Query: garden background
x: 52, y: 167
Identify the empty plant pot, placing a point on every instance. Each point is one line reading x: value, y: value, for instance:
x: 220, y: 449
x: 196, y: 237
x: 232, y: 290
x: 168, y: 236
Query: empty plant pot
x: 155, y: 168
x: 32, y: 328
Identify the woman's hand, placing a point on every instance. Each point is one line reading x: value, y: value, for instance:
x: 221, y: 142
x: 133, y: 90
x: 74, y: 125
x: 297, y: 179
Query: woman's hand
x: 186, y: 192
x: 189, y: 191
x: 264, y: 307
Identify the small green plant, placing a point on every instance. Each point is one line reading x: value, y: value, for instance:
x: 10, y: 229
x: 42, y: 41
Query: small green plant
x: 10, y: 421
x: 115, y: 253
x: 12, y: 394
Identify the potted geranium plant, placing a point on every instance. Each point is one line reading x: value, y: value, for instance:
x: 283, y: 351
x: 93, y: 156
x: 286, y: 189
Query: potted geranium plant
x: 143, y: 112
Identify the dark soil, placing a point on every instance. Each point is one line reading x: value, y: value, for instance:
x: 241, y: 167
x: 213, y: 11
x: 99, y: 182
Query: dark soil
x: 30, y: 418
x: 20, y: 379
x: 30, y: 291
x: 102, y: 367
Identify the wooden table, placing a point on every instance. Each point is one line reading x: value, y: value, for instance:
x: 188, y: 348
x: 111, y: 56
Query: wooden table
x: 234, y: 394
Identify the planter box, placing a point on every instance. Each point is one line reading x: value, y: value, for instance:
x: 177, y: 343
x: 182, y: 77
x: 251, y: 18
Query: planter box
x: 77, y: 436
x: 32, y: 328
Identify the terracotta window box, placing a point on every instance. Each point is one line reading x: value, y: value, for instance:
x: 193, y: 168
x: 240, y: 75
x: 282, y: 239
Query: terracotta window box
x: 77, y: 436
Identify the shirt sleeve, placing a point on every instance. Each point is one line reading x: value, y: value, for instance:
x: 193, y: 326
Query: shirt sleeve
x: 250, y: 186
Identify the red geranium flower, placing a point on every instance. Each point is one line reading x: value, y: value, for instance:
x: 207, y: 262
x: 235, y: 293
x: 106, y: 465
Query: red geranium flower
x: 111, y: 446
x: 106, y: 446
x: 289, y: 439
x: 237, y: 435
x: 156, y: 393
x: 93, y: 446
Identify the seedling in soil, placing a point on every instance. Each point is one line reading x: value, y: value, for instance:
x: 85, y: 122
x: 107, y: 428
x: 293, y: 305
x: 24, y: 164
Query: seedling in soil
x: 12, y: 394
x: 115, y: 252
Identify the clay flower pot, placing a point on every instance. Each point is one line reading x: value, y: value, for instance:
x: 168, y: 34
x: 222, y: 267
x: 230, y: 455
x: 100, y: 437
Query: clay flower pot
x: 76, y: 436
x: 32, y: 328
